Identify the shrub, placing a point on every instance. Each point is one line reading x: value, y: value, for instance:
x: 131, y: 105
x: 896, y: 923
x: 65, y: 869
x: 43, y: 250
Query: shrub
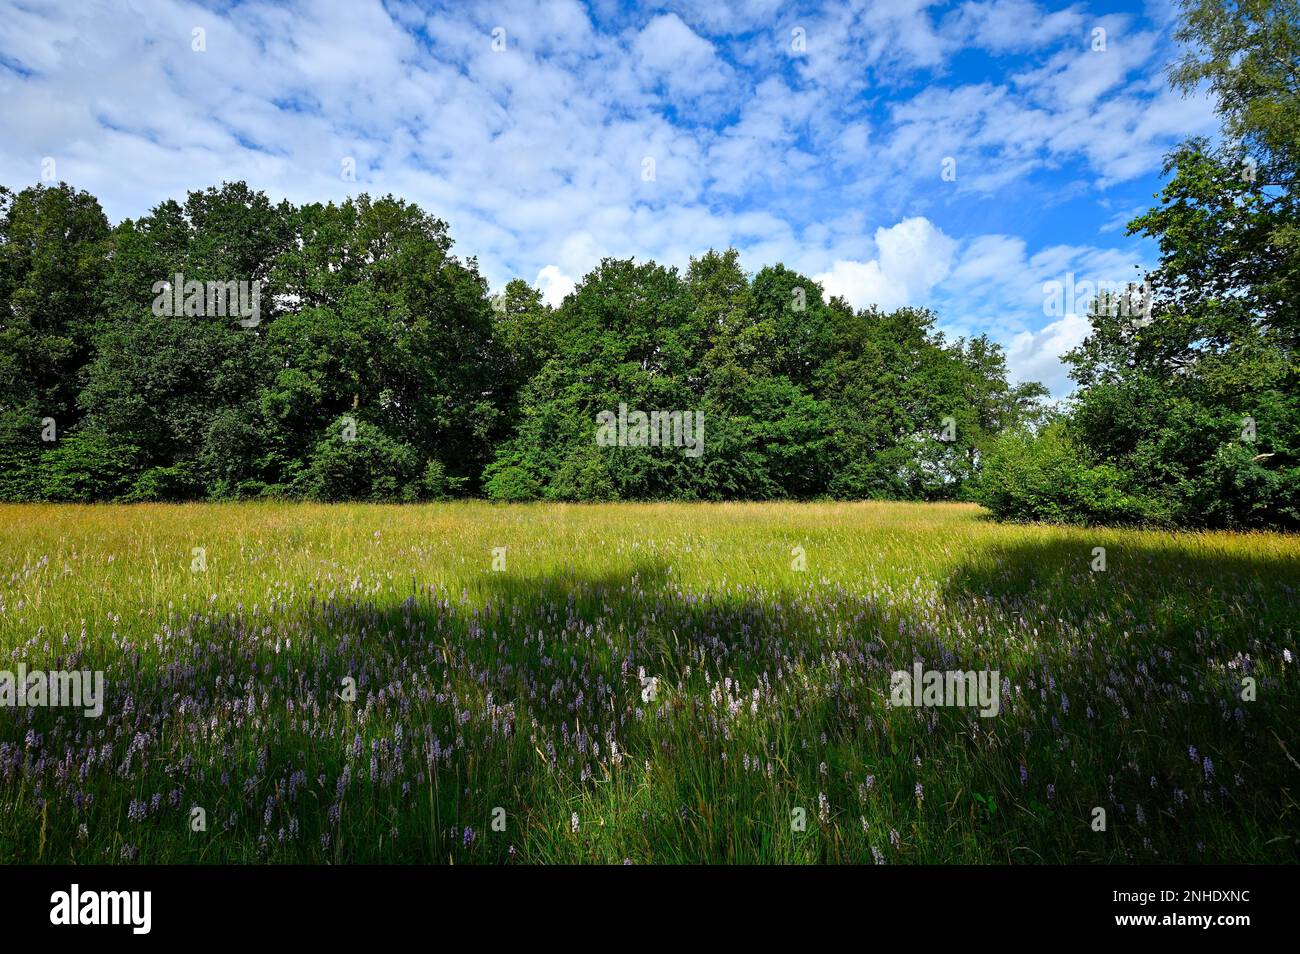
x: 508, y: 480
x: 368, y: 465
x: 1046, y: 476
x: 89, y: 465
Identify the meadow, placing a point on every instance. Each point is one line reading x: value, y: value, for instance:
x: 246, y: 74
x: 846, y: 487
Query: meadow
x: 644, y: 683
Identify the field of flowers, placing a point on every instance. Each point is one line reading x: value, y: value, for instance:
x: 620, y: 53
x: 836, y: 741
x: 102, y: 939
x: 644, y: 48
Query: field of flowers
x: 644, y: 683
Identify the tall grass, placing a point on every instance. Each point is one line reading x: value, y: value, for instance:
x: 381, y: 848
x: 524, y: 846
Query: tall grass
x: 515, y: 694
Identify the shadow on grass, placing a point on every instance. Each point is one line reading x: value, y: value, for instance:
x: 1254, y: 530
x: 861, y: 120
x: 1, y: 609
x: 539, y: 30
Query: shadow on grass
x: 1181, y: 582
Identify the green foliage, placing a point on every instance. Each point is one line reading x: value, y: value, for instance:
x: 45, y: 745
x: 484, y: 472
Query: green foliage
x: 368, y: 466
x: 509, y: 480
x: 361, y: 307
x: 1046, y: 476
x: 800, y: 398
x: 53, y: 260
x: 365, y: 316
x: 89, y: 465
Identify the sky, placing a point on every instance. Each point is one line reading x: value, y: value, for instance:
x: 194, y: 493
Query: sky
x: 956, y: 156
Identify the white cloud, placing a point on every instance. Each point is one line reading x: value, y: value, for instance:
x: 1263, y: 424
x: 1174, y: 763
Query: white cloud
x: 554, y: 285
x: 996, y: 286
x: 913, y: 256
x: 670, y: 53
x: 1036, y: 355
x: 1002, y: 26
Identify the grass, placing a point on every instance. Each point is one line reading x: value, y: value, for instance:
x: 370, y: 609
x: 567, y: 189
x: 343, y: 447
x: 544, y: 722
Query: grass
x: 514, y: 694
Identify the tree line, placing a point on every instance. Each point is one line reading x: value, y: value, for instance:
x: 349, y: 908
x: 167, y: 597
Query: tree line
x: 379, y: 367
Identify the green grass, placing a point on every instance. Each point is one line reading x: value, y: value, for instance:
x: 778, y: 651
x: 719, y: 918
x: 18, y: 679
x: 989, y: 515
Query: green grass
x: 518, y: 689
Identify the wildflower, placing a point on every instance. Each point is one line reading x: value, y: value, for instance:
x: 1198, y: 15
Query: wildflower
x: 573, y: 823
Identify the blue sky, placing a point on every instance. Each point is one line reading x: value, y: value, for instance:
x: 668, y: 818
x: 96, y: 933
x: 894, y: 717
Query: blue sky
x: 551, y: 134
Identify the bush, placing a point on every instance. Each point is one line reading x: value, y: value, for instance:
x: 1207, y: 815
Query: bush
x: 437, y: 485
x: 1242, y: 488
x: 178, y: 482
x: 20, y: 455
x: 583, y: 475
x: 1046, y: 476
x: 89, y: 465
x: 367, y: 465
x: 508, y: 480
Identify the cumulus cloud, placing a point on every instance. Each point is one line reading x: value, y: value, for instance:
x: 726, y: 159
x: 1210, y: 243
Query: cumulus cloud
x: 913, y: 256
x: 1036, y: 355
x: 996, y: 286
x: 1002, y: 26
x: 554, y: 284
x: 671, y: 54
